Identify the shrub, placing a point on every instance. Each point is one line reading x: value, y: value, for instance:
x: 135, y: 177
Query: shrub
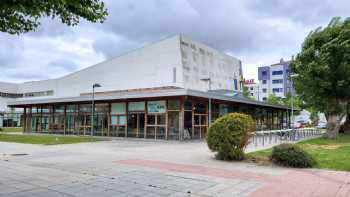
x: 292, y: 155
x: 0, y: 129
x: 229, y: 135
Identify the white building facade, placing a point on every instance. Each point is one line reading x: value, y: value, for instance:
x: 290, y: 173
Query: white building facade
x: 274, y: 79
x: 173, y: 62
x: 253, y: 88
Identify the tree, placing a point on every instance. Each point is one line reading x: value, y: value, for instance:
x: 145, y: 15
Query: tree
x: 323, y: 68
x: 21, y: 16
x: 274, y: 100
x: 246, y: 93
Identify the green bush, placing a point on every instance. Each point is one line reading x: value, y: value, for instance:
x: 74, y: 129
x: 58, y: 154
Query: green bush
x: 0, y: 129
x: 229, y: 135
x: 292, y: 155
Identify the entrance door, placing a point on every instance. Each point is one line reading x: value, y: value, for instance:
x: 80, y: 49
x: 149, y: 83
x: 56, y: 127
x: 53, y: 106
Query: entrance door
x: 136, y: 125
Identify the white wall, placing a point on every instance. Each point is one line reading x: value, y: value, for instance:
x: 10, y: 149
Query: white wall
x: 272, y: 77
x: 222, y: 69
x: 147, y: 67
x: 7, y: 88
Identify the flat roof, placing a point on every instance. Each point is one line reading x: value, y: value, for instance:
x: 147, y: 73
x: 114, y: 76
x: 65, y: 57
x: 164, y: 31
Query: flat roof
x: 145, y: 94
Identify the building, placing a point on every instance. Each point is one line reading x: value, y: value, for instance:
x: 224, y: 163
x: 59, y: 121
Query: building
x: 274, y: 79
x: 9, y: 117
x: 253, y: 88
x: 170, y: 89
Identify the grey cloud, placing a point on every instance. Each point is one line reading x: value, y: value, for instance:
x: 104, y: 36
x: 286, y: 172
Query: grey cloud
x: 309, y: 12
x: 64, y: 64
x: 258, y: 32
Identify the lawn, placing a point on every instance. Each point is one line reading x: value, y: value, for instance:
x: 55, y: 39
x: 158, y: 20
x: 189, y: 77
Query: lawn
x: 45, y: 139
x: 11, y: 129
x: 329, y: 154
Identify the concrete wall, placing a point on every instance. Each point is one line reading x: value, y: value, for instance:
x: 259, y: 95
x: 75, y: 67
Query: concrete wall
x: 176, y: 61
x: 200, y: 61
x: 273, y: 68
x: 155, y: 65
x: 6, y: 88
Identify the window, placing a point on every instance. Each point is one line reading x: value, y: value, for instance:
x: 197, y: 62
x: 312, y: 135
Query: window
x: 277, y: 81
x: 264, y: 98
x: 251, y: 94
x: 37, y: 94
x: 277, y: 72
x: 264, y: 90
x: 264, y: 73
x: 10, y: 95
x: 173, y: 104
x: 275, y: 90
x: 263, y: 81
x: 251, y: 88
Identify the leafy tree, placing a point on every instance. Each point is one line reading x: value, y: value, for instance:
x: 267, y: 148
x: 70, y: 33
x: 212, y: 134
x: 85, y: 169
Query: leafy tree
x: 274, y: 100
x: 323, y: 68
x: 246, y: 93
x: 21, y: 16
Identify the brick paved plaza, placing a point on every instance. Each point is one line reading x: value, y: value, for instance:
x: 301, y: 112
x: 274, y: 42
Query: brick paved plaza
x: 148, y: 168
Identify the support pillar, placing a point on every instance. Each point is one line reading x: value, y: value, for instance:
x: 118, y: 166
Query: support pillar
x: 182, y: 118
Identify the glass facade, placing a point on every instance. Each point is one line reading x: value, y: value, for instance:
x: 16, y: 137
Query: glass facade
x: 176, y: 118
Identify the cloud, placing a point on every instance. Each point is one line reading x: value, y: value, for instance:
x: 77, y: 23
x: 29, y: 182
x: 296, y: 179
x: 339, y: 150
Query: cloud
x: 257, y: 32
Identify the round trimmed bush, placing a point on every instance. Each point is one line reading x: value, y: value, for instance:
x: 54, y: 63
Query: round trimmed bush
x: 229, y: 135
x: 292, y: 155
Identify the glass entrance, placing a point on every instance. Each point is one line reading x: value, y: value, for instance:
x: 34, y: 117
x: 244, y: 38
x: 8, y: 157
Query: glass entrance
x: 136, y: 125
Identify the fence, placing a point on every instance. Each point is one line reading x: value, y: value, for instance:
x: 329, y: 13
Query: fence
x: 262, y: 138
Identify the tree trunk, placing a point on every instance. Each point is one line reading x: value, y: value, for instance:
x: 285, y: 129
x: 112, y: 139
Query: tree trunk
x: 333, y: 126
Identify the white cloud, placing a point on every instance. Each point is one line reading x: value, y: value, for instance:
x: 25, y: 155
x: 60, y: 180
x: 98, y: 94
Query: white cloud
x: 257, y: 32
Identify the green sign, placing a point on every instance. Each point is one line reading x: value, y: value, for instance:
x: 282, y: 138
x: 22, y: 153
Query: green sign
x: 156, y: 106
x: 136, y: 106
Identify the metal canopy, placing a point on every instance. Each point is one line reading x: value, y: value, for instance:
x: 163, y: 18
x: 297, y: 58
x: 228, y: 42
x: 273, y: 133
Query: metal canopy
x: 144, y: 94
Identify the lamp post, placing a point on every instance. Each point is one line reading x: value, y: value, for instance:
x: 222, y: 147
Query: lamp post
x: 292, y: 95
x: 95, y: 85
x: 209, y: 107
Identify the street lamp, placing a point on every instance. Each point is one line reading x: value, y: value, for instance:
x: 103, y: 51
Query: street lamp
x: 292, y: 94
x: 208, y: 80
x: 95, y: 85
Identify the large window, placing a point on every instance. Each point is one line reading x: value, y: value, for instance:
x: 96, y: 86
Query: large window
x: 136, y: 119
x: 277, y: 81
x: 156, y: 119
x: 275, y: 90
x: 118, y: 119
x: 277, y: 72
x: 173, y: 119
x: 200, y: 118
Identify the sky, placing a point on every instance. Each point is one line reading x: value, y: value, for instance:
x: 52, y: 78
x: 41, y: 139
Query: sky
x: 258, y: 32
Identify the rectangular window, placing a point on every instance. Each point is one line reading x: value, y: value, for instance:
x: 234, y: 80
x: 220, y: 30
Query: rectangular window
x: 118, y: 108
x: 136, y: 106
x: 264, y: 90
x: 118, y: 120
x: 275, y: 90
x: 263, y: 73
x: 173, y: 104
x: 277, y: 81
x: 264, y: 98
x: 156, y: 106
x: 263, y: 81
x: 251, y: 88
x: 277, y: 72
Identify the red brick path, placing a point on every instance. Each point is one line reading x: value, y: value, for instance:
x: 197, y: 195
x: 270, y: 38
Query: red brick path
x: 295, y: 182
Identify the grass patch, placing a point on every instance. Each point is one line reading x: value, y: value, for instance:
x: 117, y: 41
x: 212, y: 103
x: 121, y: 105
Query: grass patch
x: 11, y: 130
x: 46, y: 139
x: 328, y: 153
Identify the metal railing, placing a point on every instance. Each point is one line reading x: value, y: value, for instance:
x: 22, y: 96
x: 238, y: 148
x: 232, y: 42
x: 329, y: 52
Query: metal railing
x: 268, y: 137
